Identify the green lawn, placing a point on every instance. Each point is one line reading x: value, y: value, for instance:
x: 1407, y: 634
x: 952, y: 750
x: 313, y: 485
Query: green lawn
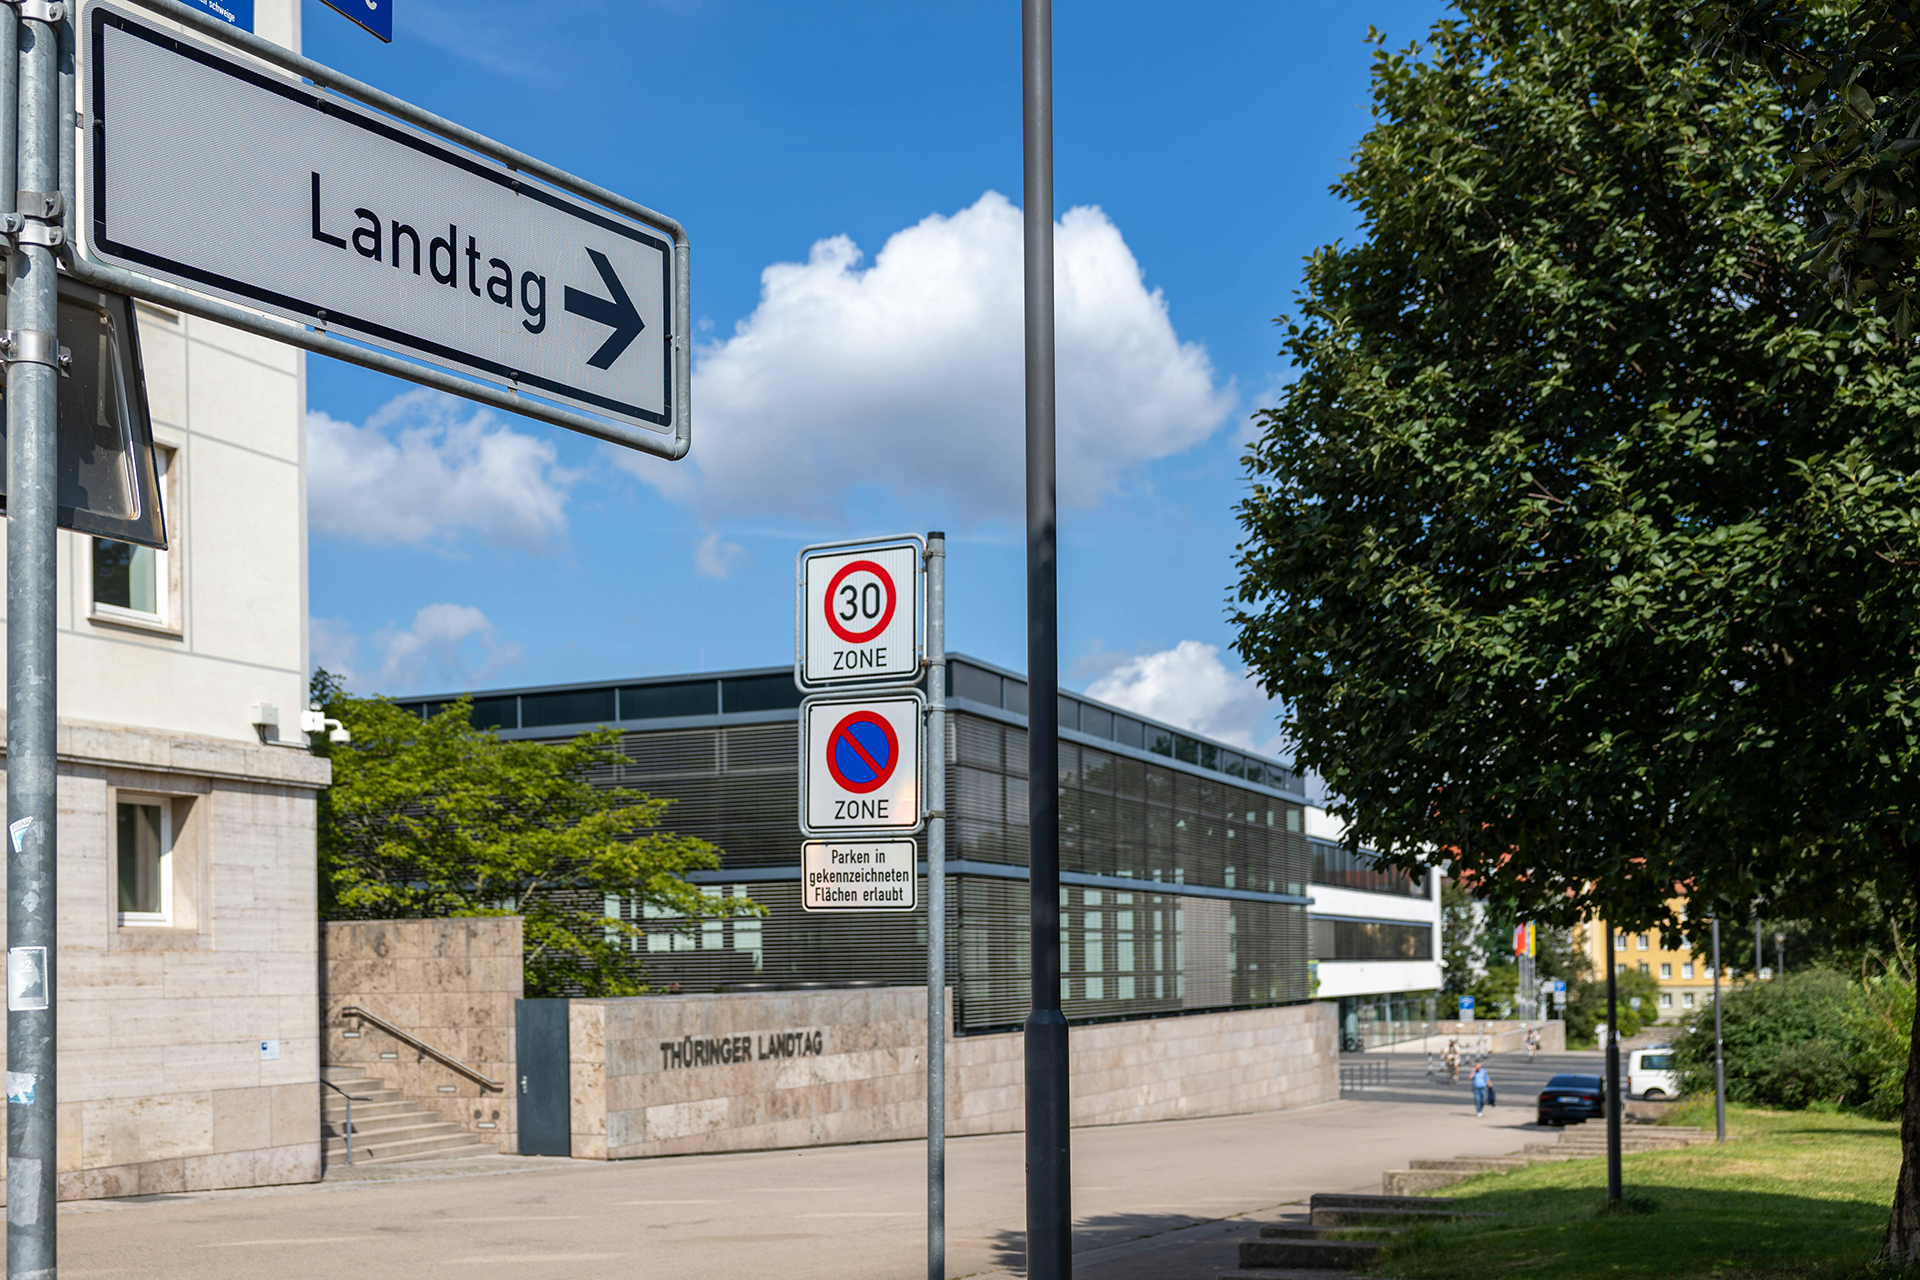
x: 1791, y: 1194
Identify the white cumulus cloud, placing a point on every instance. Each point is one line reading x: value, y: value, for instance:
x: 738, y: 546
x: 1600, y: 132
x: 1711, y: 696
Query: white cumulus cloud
x: 1189, y: 686
x: 907, y: 375
x: 449, y: 646
x: 426, y: 468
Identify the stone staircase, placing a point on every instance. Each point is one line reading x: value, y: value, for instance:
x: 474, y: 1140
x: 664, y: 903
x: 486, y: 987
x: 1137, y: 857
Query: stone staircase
x: 387, y: 1129
x: 1315, y: 1246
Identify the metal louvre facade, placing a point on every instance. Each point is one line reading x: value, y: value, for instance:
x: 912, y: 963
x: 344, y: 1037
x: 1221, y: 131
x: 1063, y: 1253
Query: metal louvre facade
x: 1184, y: 862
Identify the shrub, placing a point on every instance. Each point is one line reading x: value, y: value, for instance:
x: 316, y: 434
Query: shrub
x: 1790, y: 1042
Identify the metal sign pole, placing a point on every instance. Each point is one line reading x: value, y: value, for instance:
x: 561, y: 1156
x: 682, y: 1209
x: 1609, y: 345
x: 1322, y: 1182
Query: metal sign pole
x: 33, y: 370
x: 1719, y: 1061
x: 936, y: 792
x: 1049, y: 1190
x: 1613, y: 1076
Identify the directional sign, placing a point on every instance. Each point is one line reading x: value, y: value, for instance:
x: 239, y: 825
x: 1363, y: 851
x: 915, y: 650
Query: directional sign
x: 227, y: 178
x: 858, y: 875
x: 373, y: 16
x: 237, y: 12
x: 859, y: 614
x: 860, y: 763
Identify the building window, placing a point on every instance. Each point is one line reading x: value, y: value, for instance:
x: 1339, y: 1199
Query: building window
x: 1686, y: 998
x: 1619, y: 942
x: 1666, y: 1000
x: 1643, y: 966
x: 1666, y: 971
x: 1686, y: 969
x: 1643, y: 941
x: 132, y: 582
x: 144, y: 847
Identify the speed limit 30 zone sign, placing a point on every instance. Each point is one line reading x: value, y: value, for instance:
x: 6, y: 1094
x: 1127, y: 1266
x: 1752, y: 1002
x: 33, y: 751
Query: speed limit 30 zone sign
x: 859, y: 614
x: 860, y: 763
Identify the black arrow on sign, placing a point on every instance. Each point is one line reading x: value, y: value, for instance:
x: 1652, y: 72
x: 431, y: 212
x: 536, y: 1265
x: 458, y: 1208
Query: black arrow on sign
x: 618, y: 315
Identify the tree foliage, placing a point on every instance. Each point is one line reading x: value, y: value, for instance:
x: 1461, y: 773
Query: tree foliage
x: 1855, y: 84
x: 434, y: 818
x: 1583, y: 546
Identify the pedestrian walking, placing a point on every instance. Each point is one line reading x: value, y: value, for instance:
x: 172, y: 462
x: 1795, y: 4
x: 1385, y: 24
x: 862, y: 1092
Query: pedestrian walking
x: 1533, y: 1043
x: 1453, y: 1062
x: 1482, y: 1088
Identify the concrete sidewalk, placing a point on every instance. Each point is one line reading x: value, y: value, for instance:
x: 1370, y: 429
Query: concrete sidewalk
x: 1163, y: 1200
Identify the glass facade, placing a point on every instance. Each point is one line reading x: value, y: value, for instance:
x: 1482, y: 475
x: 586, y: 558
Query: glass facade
x: 1184, y: 870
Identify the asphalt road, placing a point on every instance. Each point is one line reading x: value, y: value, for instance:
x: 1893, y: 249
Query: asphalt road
x: 1163, y: 1199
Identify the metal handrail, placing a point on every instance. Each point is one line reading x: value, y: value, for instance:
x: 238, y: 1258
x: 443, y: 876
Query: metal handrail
x: 443, y: 1058
x: 351, y: 1099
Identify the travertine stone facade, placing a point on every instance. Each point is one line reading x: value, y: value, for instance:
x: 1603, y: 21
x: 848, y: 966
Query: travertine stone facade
x: 668, y: 1075
x: 1504, y: 1037
x: 451, y: 983
x: 163, y: 1084
x: 1210, y: 1064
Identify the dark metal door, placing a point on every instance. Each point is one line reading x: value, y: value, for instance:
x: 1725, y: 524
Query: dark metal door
x: 545, y: 1096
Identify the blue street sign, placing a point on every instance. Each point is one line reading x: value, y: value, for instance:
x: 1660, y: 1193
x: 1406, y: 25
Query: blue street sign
x: 1466, y: 1007
x: 375, y: 16
x: 238, y: 12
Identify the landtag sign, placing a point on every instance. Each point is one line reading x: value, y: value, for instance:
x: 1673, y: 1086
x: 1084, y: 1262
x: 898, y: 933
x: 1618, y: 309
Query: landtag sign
x: 858, y: 875
x: 228, y: 178
x: 859, y: 614
x: 860, y: 763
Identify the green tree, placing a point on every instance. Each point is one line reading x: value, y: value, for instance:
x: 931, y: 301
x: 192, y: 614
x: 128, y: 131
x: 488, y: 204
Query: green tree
x: 1462, y: 939
x: 1787, y: 1042
x: 1584, y: 546
x: 434, y: 818
x: 1855, y: 85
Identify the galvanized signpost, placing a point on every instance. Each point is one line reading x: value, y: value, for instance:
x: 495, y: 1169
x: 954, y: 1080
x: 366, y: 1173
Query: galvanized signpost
x: 869, y: 621
x: 238, y: 182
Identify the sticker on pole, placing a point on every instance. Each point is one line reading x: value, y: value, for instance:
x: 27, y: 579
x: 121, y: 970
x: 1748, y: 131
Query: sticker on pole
x: 860, y: 763
x: 858, y: 875
x: 859, y: 613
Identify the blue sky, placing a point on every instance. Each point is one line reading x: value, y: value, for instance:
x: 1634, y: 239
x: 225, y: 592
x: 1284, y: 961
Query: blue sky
x: 851, y: 392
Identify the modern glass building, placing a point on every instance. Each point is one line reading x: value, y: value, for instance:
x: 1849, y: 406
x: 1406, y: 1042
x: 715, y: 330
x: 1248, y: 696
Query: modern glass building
x: 1185, y: 861
x: 1375, y: 937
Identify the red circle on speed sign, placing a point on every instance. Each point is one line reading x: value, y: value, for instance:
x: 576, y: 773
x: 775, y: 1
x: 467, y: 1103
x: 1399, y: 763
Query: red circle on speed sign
x: 865, y: 605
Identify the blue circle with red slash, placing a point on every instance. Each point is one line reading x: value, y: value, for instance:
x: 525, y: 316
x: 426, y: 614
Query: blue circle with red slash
x: 862, y: 752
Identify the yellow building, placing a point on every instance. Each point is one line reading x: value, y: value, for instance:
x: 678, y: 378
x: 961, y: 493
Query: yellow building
x: 1686, y: 984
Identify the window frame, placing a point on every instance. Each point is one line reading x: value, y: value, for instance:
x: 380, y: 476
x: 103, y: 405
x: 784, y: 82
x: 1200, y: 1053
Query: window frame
x: 164, y: 918
x: 165, y: 618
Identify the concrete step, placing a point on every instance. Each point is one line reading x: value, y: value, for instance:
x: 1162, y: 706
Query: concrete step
x: 363, y: 1097
x: 1384, y: 1217
x: 384, y: 1149
x: 1305, y: 1231
x: 1413, y: 1182
x: 413, y: 1126
x: 1289, y: 1273
x: 1322, y: 1255
x: 1363, y: 1200
x: 1472, y: 1164
x: 470, y: 1151
x: 373, y: 1108
x: 418, y: 1129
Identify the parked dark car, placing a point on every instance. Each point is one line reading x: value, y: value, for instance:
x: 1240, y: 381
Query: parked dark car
x: 1570, y: 1098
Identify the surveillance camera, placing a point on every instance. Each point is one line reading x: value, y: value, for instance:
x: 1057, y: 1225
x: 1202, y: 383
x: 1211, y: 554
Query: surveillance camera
x: 339, y: 735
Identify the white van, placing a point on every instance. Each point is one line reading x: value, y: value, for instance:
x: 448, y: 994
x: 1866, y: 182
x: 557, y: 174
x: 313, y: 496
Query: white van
x: 1650, y: 1073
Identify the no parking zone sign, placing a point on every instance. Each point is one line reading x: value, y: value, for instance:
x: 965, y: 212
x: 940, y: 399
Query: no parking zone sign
x: 860, y: 763
x: 859, y: 609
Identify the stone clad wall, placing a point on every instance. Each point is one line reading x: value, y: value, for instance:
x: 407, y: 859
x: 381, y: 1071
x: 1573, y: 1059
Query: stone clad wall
x: 451, y: 983
x: 1208, y: 1064
x: 164, y: 1085
x: 794, y: 1070
x: 671, y: 1075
